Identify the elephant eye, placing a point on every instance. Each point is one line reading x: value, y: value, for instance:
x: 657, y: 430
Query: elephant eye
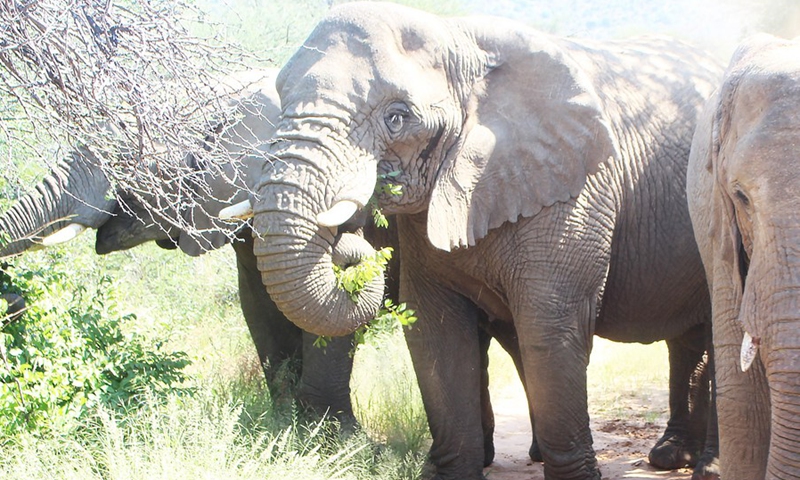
x: 396, y: 116
x: 742, y: 198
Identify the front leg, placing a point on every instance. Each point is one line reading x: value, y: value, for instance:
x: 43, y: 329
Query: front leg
x: 445, y: 352
x: 506, y: 335
x: 277, y: 340
x: 487, y: 412
x: 324, y: 385
x: 555, y: 342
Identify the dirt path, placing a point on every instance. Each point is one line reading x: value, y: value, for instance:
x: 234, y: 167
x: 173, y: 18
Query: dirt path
x: 621, y: 447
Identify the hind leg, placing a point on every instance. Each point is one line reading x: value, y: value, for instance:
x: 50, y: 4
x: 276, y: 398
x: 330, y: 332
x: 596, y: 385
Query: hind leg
x: 684, y: 438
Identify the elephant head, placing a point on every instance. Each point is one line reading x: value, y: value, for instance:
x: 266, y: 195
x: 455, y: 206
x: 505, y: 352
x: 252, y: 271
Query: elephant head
x: 74, y: 196
x: 241, y: 142
x: 383, y: 94
x: 743, y: 189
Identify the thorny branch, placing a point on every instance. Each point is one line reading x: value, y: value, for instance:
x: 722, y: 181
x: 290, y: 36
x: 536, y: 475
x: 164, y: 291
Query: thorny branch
x: 125, y: 79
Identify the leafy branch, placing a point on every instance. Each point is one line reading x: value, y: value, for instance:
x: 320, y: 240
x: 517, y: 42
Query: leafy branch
x: 354, y: 278
x: 384, y: 188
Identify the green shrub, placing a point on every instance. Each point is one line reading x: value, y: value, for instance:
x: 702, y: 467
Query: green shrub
x: 70, y: 353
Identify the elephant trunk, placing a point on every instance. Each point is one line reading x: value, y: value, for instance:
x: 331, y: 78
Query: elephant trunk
x: 770, y: 314
x: 36, y: 214
x: 296, y: 255
x: 75, y: 191
x: 784, y: 451
x: 782, y: 365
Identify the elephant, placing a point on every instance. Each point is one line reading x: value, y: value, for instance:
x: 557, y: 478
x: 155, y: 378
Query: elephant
x: 276, y: 339
x: 323, y: 373
x: 541, y: 182
x: 742, y: 190
x: 76, y: 196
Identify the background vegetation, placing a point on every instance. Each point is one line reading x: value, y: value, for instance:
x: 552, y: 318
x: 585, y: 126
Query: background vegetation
x: 137, y: 365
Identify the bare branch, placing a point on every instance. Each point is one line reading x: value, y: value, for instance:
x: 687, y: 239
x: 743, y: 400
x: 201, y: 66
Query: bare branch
x: 125, y: 79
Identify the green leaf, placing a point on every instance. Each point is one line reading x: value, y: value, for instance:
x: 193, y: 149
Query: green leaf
x: 322, y: 341
x: 354, y: 278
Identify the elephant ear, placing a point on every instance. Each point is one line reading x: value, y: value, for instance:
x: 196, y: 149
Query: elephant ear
x: 730, y: 262
x: 535, y: 130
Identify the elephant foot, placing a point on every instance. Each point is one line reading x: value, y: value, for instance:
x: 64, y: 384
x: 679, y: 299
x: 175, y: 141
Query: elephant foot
x: 672, y: 451
x: 429, y: 473
x: 707, y: 467
x: 535, y: 453
x: 439, y: 477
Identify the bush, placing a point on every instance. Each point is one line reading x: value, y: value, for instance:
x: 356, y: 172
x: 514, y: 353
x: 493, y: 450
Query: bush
x: 70, y: 353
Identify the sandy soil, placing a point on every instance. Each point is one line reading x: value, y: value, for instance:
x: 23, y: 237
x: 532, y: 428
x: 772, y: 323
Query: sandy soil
x: 621, y: 447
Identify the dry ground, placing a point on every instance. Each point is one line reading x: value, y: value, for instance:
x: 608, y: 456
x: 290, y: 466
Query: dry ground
x: 628, y: 407
x: 621, y: 447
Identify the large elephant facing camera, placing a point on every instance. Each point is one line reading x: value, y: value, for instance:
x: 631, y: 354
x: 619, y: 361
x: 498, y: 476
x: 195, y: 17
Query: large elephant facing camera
x: 324, y: 373
x: 543, y: 182
x: 744, y: 198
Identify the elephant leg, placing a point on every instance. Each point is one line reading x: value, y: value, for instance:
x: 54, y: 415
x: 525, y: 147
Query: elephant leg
x: 325, y: 383
x: 707, y: 467
x: 555, y: 342
x: 324, y: 373
x: 276, y: 339
x: 487, y: 413
x: 506, y: 336
x: 446, y: 355
x: 684, y: 437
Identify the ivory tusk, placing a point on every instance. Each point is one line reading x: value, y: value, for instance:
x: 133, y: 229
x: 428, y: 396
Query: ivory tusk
x: 242, y: 211
x: 338, y: 214
x: 748, y: 353
x: 64, y: 235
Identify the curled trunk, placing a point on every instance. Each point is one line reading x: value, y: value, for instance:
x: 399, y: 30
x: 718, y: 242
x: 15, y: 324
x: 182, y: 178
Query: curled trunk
x: 298, y: 271
x: 296, y: 254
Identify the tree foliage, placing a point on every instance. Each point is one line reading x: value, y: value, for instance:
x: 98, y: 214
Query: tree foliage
x: 70, y: 353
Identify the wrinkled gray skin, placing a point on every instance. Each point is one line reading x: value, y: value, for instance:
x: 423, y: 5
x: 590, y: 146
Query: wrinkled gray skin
x: 75, y: 191
x: 744, y: 190
x: 325, y: 372
x: 543, y: 184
